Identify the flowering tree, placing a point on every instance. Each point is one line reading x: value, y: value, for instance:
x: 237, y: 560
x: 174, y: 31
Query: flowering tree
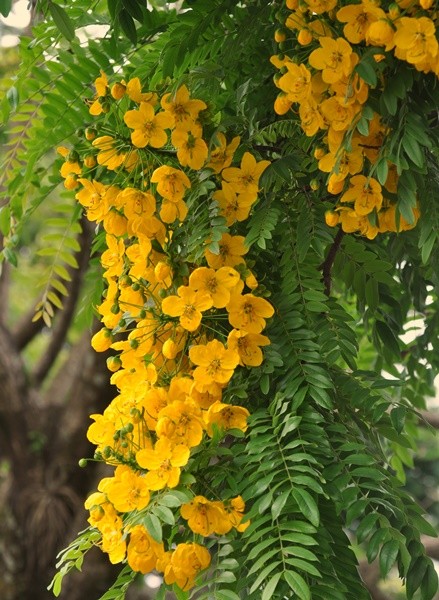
x: 262, y: 185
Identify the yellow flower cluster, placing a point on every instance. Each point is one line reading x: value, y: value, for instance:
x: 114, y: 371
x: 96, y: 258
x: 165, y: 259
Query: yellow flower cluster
x: 178, y: 332
x: 330, y: 96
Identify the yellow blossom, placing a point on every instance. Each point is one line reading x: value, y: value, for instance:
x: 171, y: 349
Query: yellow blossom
x: 248, y: 346
x: 215, y: 363
x: 358, y: 18
x: 365, y: 193
x: 246, y: 178
x: 222, y: 154
x: 163, y: 464
x: 333, y: 59
x: 231, y: 251
x: 171, y: 183
x: 249, y: 312
x: 183, y: 110
x: 192, y: 150
x: 217, y: 284
x: 127, y: 490
x: 143, y: 551
x: 204, y: 517
x: 188, y: 305
x: 149, y: 128
x: 226, y: 416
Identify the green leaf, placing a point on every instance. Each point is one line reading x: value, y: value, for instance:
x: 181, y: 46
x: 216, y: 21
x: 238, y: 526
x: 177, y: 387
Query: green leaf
x: 62, y: 21
x: 264, y: 574
x: 429, y: 583
x: 388, y: 556
x: 128, y: 26
x: 226, y: 595
x: 366, y: 526
x: 5, y: 7
x: 375, y: 542
x: 154, y: 527
x: 164, y: 514
x: 307, y: 505
x: 415, y: 576
x: 298, y: 585
x: 366, y: 71
x: 5, y: 220
x: 278, y: 504
x: 268, y: 592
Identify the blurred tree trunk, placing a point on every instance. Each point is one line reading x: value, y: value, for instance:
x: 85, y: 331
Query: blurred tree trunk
x: 44, y: 416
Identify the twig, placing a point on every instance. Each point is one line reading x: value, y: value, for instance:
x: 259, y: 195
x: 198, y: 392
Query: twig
x: 326, y: 265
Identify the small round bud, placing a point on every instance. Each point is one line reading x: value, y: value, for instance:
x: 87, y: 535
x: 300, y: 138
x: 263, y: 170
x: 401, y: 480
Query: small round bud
x: 304, y: 37
x: 280, y: 35
x: 82, y: 462
x: 118, y: 91
x: 90, y: 134
x: 71, y: 182
x: 113, y: 363
x: 170, y: 349
x: 90, y: 161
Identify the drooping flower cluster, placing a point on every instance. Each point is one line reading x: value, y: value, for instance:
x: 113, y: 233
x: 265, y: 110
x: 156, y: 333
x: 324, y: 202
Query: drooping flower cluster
x: 178, y: 327
x: 346, y: 51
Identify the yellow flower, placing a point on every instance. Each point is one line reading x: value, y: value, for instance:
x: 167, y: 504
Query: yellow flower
x: 310, y: 116
x: 204, y: 517
x: 163, y: 464
x: 109, y: 156
x: 248, y: 346
x: 365, y: 192
x: 381, y: 33
x: 134, y: 92
x: 339, y: 113
x: 181, y: 423
x: 226, y: 416
x: 416, y: 38
x: 183, y: 565
x: 183, y: 110
x: 320, y: 6
x: 246, y: 178
x: 149, y: 128
x: 341, y: 164
x: 171, y: 183
x: 333, y: 59
x: 216, y: 284
x: 216, y: 363
x: 113, y: 541
x: 95, y: 197
x: 191, y: 149
x: 143, y: 551
x: 101, y: 84
x: 249, y: 312
x: 296, y: 83
x: 221, y: 156
x: 235, y: 207
x: 112, y: 259
x: 358, y: 18
x: 234, y: 509
x: 188, y: 305
x: 127, y: 490
x: 139, y: 208
x: 231, y: 251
